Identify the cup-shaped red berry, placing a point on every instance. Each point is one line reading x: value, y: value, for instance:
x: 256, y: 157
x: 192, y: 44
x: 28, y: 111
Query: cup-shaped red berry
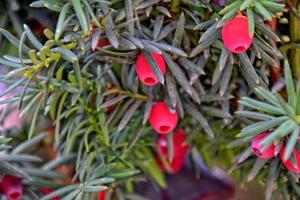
x: 144, y: 71
x: 12, y: 187
x: 180, y: 146
x: 257, y: 148
x: 162, y: 119
x: 235, y: 34
x: 173, y: 167
x: 292, y: 166
x: 180, y: 149
x: 102, y: 42
x: 101, y: 195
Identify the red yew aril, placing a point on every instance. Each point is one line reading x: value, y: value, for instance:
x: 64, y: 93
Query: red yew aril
x: 235, y: 34
x: 256, y: 147
x: 293, y: 167
x: 102, y: 42
x: 175, y: 165
x: 101, y: 195
x: 179, y: 145
x: 143, y: 69
x: 12, y: 187
x: 180, y: 149
x: 162, y: 119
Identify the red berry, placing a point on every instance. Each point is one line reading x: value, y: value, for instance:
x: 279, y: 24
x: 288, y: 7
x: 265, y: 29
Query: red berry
x: 101, y: 195
x: 175, y: 165
x: 144, y: 71
x: 161, y: 119
x: 179, y: 142
x: 180, y: 150
x: 179, y: 145
x: 235, y: 34
x: 256, y: 147
x: 293, y: 167
x: 102, y: 42
x: 12, y: 187
x: 47, y: 191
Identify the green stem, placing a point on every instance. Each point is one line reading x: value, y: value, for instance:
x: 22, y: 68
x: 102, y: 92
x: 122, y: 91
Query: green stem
x: 295, y: 37
x: 127, y: 93
x: 135, y: 96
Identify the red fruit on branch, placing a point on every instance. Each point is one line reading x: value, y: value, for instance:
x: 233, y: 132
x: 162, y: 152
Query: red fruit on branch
x: 179, y: 145
x: 12, y: 187
x: 235, y: 34
x: 47, y: 191
x: 161, y: 119
x: 101, y: 42
x: 256, y: 147
x: 143, y: 69
x: 179, y: 142
x: 292, y: 166
x: 101, y: 195
x: 180, y: 149
x: 175, y: 165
